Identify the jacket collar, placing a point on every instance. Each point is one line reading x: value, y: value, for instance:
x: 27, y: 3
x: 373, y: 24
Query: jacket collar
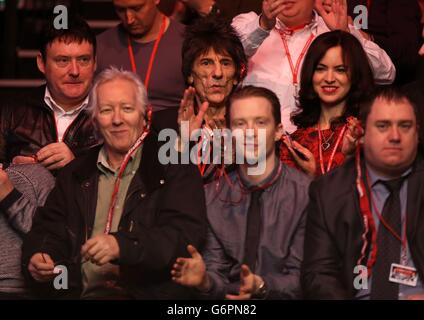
x: 415, y: 194
x: 151, y: 171
x: 37, y: 99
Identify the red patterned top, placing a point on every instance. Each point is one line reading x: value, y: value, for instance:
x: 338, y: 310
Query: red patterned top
x: 309, y: 139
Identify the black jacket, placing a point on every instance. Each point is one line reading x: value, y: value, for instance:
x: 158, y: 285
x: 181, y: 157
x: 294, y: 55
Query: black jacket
x: 334, y: 228
x: 28, y: 124
x: 415, y: 92
x: 164, y: 211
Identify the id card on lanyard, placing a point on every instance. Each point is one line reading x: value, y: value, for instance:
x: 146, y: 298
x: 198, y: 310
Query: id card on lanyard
x: 399, y: 272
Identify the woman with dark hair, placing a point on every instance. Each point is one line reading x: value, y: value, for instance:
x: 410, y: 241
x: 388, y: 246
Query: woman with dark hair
x: 213, y: 64
x: 335, y: 77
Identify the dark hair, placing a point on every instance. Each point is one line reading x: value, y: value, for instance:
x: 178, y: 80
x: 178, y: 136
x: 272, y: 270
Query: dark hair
x: 78, y: 31
x: 259, y: 92
x: 388, y: 93
x: 361, y: 77
x: 212, y: 32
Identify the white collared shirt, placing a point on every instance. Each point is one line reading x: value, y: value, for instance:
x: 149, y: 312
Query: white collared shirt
x: 269, y: 66
x: 63, y: 119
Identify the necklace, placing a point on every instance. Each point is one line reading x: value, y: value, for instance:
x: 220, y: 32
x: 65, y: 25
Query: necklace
x: 326, y: 141
x: 333, y: 153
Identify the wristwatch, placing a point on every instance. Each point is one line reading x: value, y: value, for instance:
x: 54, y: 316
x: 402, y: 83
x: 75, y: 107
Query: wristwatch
x: 261, y: 292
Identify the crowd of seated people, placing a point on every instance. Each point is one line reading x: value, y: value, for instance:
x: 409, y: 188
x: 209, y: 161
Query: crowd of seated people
x: 299, y: 159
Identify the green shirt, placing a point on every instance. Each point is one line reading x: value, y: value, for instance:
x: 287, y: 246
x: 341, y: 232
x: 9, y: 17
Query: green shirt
x: 102, y: 281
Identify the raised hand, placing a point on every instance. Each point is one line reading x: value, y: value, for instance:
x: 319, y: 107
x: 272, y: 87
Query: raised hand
x: 217, y: 121
x: 352, y: 135
x: 334, y: 14
x: 186, y: 111
x: 326, y: 4
x: 270, y: 10
x: 191, y: 272
x: 306, y: 161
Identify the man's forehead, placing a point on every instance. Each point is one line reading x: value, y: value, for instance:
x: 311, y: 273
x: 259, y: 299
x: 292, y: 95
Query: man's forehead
x: 130, y: 3
x: 65, y: 44
x: 383, y: 109
x: 251, y: 107
x: 212, y: 53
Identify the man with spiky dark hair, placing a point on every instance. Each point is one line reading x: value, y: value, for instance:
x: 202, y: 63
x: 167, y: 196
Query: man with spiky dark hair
x: 214, y: 64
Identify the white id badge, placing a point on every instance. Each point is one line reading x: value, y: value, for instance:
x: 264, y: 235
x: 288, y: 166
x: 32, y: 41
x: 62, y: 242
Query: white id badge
x: 403, y: 275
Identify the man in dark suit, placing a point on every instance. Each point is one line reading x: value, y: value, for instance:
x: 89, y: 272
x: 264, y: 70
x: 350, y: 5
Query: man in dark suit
x: 355, y: 240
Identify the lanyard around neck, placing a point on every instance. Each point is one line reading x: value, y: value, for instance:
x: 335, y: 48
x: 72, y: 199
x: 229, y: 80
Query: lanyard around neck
x: 368, y: 219
x: 122, y: 168
x: 152, y: 55
x: 295, y: 68
x: 333, y: 153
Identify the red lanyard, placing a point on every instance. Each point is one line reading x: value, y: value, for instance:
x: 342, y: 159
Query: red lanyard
x: 243, y: 190
x: 384, y: 222
x: 201, y: 153
x: 333, y: 153
x: 368, y: 219
x: 295, y: 69
x: 369, y: 222
x: 152, y: 56
x: 124, y: 164
x: 262, y: 186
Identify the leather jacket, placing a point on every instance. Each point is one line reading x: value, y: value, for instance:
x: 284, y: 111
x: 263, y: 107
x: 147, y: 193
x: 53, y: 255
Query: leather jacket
x: 27, y: 124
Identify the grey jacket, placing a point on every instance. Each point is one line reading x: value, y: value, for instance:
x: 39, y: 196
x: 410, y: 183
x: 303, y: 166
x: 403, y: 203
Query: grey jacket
x: 32, y: 184
x: 280, y: 250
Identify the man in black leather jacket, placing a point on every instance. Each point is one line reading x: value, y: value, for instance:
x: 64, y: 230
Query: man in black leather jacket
x: 51, y: 126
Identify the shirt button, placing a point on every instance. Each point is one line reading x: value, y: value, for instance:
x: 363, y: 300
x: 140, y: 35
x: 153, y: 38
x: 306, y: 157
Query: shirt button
x: 143, y: 195
x: 161, y: 181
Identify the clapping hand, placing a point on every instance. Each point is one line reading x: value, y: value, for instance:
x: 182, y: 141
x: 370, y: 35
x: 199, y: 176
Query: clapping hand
x: 334, y: 13
x: 270, y: 10
x: 306, y: 161
x: 186, y: 111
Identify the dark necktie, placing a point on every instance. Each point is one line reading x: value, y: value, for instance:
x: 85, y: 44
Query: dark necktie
x: 253, y: 230
x: 388, y: 246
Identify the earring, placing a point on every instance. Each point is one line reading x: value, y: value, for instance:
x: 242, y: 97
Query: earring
x: 190, y: 80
